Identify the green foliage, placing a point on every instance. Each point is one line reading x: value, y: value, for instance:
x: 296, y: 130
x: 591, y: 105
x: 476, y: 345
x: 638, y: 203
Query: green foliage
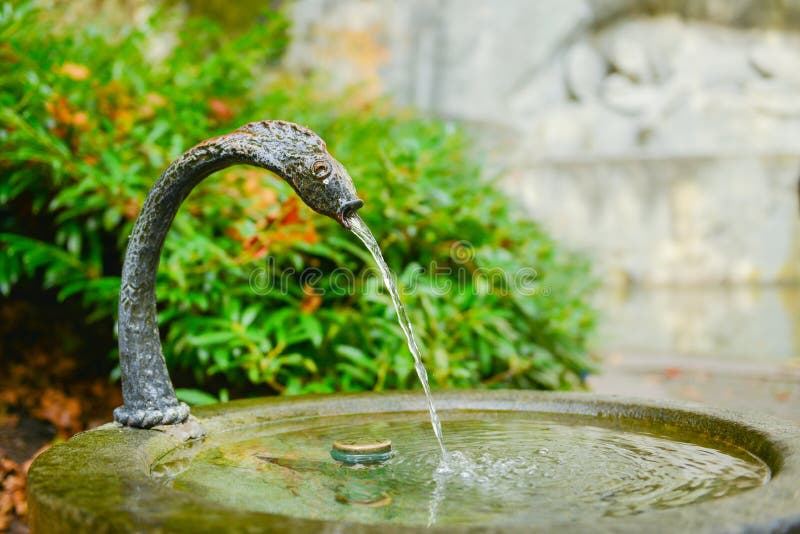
x: 88, y: 120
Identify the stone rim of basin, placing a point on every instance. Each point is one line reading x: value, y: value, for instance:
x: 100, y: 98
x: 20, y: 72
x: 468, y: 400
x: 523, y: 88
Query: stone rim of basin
x: 102, y: 479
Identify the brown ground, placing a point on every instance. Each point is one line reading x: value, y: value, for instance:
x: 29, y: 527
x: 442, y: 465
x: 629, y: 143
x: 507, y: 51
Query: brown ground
x: 46, y: 395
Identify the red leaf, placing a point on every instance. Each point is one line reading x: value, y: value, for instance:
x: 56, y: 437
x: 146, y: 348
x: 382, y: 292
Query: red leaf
x: 220, y: 110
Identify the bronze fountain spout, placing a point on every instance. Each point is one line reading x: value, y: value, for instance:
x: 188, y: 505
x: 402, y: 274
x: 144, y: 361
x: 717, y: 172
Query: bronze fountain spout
x: 292, y: 152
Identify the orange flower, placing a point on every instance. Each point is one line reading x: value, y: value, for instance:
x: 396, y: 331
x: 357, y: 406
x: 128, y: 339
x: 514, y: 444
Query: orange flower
x: 80, y: 119
x: 75, y: 71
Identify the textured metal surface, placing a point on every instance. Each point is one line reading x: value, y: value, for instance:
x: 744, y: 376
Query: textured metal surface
x: 292, y: 152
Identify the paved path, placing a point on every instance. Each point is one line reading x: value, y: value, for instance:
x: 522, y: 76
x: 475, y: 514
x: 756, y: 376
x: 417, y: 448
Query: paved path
x: 771, y: 388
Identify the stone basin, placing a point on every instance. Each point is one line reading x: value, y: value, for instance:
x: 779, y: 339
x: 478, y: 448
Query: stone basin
x: 123, y: 480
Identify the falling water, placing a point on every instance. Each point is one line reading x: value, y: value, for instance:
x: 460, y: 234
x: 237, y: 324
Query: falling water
x: 358, y: 227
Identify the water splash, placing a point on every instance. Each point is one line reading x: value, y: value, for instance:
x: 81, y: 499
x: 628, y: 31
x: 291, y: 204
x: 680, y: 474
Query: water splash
x: 362, y: 231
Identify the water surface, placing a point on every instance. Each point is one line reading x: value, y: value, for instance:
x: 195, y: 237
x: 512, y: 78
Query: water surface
x: 504, y: 468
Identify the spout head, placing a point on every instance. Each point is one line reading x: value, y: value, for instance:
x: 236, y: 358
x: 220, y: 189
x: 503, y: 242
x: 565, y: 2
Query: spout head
x: 301, y: 158
x: 323, y: 184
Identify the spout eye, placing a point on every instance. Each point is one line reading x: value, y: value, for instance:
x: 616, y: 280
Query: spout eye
x: 321, y: 169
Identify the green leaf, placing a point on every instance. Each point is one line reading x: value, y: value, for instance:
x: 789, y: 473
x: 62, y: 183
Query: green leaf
x: 195, y: 397
x: 70, y: 194
x: 212, y: 338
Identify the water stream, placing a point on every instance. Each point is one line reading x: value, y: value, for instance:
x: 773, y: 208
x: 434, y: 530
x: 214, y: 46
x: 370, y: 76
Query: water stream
x: 360, y: 229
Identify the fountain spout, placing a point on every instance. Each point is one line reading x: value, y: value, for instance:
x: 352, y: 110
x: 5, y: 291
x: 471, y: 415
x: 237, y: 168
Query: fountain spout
x: 294, y: 153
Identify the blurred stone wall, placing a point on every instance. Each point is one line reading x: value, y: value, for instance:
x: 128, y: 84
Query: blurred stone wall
x: 661, y: 136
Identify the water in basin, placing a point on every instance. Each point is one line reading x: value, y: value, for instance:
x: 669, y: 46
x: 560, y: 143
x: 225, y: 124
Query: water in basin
x: 523, y: 468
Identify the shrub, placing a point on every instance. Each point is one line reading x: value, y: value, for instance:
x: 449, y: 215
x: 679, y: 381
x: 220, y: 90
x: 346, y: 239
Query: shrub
x: 87, y: 122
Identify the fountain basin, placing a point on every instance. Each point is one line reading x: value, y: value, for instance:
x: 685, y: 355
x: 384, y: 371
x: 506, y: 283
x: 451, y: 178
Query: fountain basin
x: 248, y: 473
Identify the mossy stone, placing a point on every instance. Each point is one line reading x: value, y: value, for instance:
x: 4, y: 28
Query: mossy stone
x: 100, y: 480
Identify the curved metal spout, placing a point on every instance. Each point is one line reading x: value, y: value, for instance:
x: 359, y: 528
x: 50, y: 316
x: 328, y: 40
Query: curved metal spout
x: 294, y: 153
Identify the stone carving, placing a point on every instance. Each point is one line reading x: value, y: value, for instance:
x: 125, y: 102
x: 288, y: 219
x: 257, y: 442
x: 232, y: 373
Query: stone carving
x: 653, y: 92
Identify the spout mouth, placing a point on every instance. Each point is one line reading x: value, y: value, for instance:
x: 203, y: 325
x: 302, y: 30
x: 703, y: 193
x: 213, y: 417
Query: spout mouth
x: 347, y: 210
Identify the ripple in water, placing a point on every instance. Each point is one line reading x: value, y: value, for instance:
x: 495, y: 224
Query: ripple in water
x: 503, y: 468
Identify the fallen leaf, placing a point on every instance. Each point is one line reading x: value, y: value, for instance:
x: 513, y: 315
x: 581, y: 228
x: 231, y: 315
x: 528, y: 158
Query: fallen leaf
x: 13, y: 483
x: 63, y: 411
x: 20, y: 502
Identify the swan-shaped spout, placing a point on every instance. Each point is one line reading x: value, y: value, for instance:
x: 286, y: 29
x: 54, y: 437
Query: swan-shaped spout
x: 294, y: 153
